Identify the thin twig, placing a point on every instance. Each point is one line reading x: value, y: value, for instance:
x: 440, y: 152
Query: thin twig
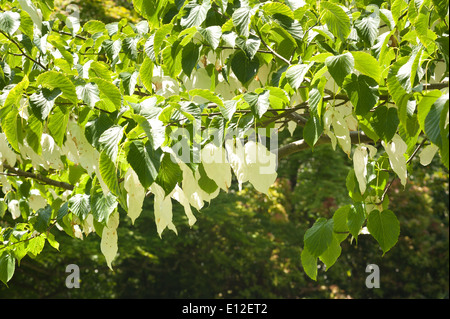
x: 21, y: 51
x: 271, y: 50
x: 67, y: 33
x: 31, y: 237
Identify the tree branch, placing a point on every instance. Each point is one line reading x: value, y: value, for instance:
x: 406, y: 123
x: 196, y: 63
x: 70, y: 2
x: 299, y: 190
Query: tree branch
x: 48, y: 181
x: 22, y: 52
x: 300, y: 145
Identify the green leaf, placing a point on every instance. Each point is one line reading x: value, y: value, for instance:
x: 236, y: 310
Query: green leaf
x: 312, y: 130
x: 275, y: 8
x: 397, y: 9
x: 212, y: 35
x: 315, y: 100
x: 249, y: 45
x: 363, y: 92
x: 129, y: 46
x: 34, y: 130
x: 443, y: 45
x: 423, y: 30
x: 94, y: 26
x: 14, y: 96
x: 9, y: 22
x: 332, y: 253
x: 109, y: 91
x: 309, y: 263
x: 35, y: 246
x: 108, y: 173
x: 99, y: 69
x: 318, y: 238
x: 340, y: 227
x: 337, y: 20
x: 146, y: 73
x: 26, y: 23
x: 385, y: 122
x: 340, y: 66
x: 296, y: 73
x: 7, y: 266
x: 206, y: 94
x: 95, y: 128
x: 42, y: 219
x: 406, y: 72
x: 88, y: 93
x: 206, y: 183
x: 169, y: 174
x: 395, y: 88
x: 54, y: 80
x: 441, y: 6
x: 154, y: 129
x: 80, y: 206
x: 367, y: 65
x: 172, y: 55
x: 384, y: 227
x: 424, y: 106
x: 102, y: 206
x: 62, y: 212
x: 12, y: 127
x: 129, y: 81
x: 355, y: 219
x: 351, y: 183
x: 228, y: 109
x: 241, y: 20
x: 444, y: 128
x: 197, y: 14
x: 367, y: 28
x: 432, y: 127
x: 151, y: 10
x: 189, y: 57
x: 145, y: 161
x: 57, y: 41
x: 160, y: 35
x: 259, y: 103
x: 244, y: 69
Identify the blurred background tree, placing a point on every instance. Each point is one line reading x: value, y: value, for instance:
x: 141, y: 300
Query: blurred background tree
x: 106, y: 11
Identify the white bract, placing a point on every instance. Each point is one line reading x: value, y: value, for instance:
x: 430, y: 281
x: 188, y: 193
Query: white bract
x: 360, y: 159
x: 190, y: 187
x: 108, y: 244
x: 14, y: 209
x: 216, y: 165
x: 236, y: 158
x: 80, y: 150
x: 180, y: 196
x: 162, y: 209
x: 396, y: 150
x: 341, y: 131
x: 6, y: 153
x: 427, y: 154
x: 327, y: 121
x: 36, y: 201
x: 51, y: 152
x: 135, y: 194
x: 261, y: 166
x: 35, y: 13
x: 164, y: 85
